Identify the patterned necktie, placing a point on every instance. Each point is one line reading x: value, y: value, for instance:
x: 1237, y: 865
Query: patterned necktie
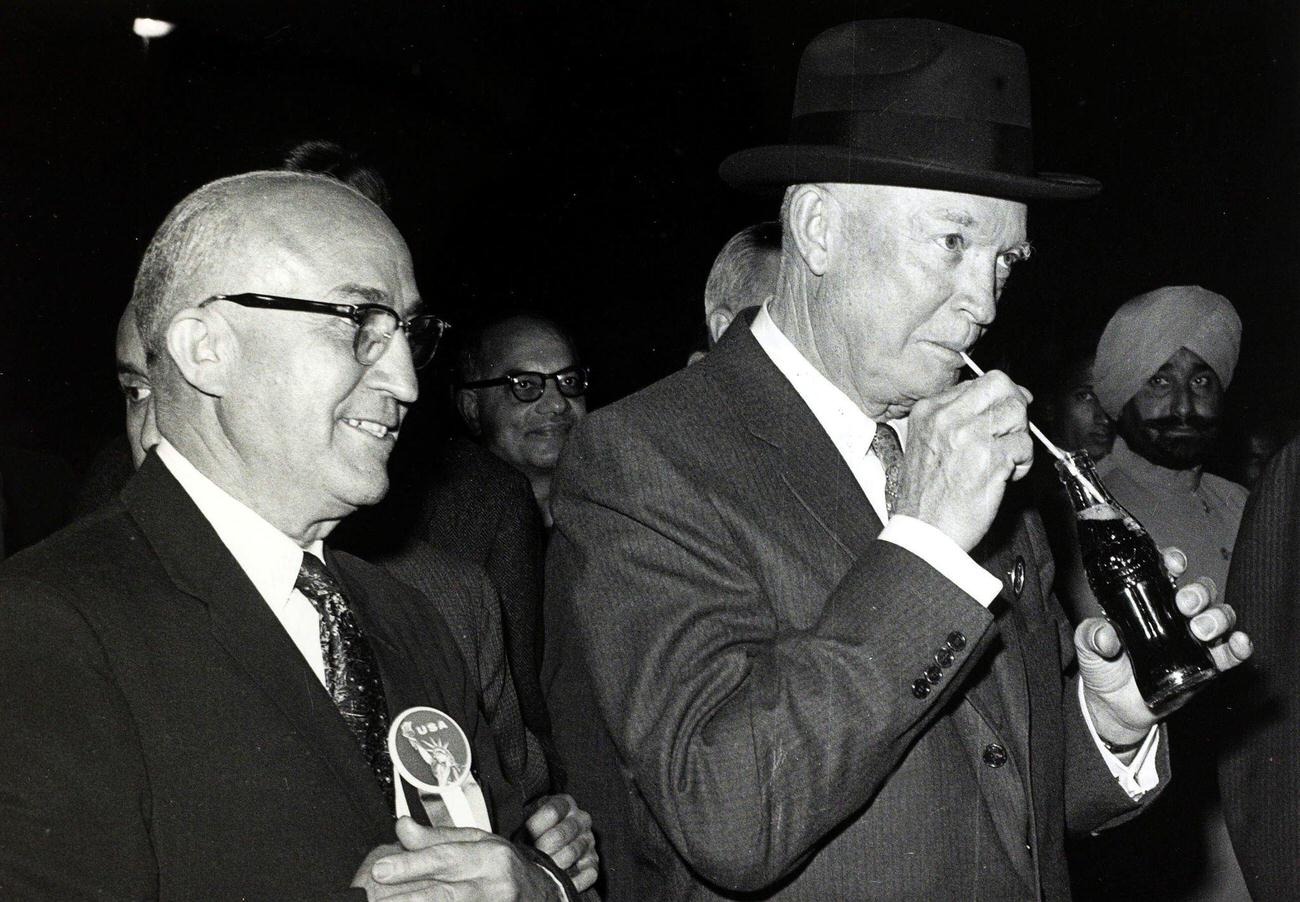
x: 351, y: 675
x: 890, y: 452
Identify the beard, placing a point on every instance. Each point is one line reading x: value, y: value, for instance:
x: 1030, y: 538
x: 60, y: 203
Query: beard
x: 1155, y: 440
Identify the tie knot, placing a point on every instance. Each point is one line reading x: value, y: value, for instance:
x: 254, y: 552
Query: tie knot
x: 889, y: 450
x: 886, y: 444
x: 315, y: 581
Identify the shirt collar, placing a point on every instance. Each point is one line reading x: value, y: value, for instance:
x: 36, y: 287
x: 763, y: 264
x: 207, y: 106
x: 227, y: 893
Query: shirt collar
x: 269, y: 557
x: 849, y: 428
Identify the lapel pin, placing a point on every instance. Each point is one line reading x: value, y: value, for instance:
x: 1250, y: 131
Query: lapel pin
x: 431, y: 752
x: 1017, y: 576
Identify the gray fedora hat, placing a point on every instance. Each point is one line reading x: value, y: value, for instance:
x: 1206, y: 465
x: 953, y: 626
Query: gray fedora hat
x: 913, y: 103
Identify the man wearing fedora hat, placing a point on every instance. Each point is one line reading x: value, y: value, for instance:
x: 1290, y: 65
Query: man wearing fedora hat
x: 790, y: 660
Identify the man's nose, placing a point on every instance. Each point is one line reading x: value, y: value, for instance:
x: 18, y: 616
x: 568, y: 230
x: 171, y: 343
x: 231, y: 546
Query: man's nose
x: 394, y: 371
x: 1181, y: 403
x: 978, y: 291
x: 552, y: 401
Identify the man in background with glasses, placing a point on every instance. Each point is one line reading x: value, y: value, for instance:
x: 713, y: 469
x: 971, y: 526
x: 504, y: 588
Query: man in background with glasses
x: 520, y: 389
x: 198, y: 691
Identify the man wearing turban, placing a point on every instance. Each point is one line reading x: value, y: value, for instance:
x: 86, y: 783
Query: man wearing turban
x: 1163, y: 364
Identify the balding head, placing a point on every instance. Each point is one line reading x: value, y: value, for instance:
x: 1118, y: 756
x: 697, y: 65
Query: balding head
x: 221, y: 226
x: 273, y: 404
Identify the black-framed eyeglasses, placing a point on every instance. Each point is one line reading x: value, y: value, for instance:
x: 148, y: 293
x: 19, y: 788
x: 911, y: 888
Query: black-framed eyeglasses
x: 526, y: 387
x: 376, y: 324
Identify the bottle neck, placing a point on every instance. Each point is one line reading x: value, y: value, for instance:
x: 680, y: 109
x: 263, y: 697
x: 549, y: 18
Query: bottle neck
x: 1079, y: 476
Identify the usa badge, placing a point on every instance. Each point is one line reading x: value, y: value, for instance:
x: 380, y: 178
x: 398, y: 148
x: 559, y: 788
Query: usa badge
x: 431, y: 752
x: 429, y: 749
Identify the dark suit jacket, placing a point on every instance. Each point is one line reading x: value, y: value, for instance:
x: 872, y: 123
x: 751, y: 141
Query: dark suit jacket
x: 469, y: 504
x: 735, y: 653
x: 468, y: 602
x: 1260, y: 773
x: 480, y: 509
x: 165, y: 739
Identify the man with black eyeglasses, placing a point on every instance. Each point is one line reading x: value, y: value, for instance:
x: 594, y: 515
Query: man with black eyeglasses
x: 198, y: 692
x: 520, y: 389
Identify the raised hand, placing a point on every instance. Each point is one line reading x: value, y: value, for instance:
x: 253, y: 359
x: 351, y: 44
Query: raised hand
x: 963, y: 446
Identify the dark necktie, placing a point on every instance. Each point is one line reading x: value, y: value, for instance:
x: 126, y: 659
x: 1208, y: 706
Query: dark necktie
x: 890, y: 452
x: 351, y: 675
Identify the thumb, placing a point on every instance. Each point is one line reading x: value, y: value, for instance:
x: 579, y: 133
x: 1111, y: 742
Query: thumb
x: 413, y: 835
x: 1103, y: 666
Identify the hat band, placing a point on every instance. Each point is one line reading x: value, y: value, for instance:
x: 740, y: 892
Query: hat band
x: 958, y: 143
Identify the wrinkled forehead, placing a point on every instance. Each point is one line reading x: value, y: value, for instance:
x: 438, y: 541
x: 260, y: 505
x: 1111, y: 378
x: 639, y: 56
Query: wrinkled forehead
x: 317, y: 243
x: 987, y: 219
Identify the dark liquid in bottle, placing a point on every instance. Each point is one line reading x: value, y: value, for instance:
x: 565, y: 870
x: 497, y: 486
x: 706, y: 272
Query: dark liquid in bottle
x: 1129, y: 581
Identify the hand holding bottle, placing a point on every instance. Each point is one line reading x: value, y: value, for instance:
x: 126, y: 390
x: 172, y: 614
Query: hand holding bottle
x: 1119, y: 712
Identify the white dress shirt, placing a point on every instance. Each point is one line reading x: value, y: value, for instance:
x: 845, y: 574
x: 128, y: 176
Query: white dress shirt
x: 851, y: 431
x: 269, y: 557
x: 272, y: 561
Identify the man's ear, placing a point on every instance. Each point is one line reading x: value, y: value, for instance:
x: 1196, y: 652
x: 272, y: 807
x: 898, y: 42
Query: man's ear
x: 718, y: 320
x: 467, y: 404
x: 809, y: 225
x: 204, y: 349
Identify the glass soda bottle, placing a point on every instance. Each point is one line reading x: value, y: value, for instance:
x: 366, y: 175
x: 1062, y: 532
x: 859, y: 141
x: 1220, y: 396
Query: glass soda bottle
x: 1128, y: 577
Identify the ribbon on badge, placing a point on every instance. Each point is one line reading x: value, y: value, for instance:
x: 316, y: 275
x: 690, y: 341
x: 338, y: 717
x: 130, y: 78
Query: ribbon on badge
x: 431, y: 753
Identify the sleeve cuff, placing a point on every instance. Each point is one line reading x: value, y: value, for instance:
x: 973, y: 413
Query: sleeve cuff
x: 564, y: 893
x: 1139, y: 776
x: 944, y: 555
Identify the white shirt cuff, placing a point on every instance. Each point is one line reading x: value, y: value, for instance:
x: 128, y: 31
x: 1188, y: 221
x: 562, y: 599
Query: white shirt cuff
x: 944, y: 555
x: 556, y: 880
x: 1139, y: 776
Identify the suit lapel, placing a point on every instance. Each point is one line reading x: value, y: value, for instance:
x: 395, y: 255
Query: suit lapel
x: 245, y: 627
x: 1003, y: 698
x: 810, y: 465
x: 815, y: 473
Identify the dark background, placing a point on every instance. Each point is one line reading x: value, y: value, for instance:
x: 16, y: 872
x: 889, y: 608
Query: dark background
x: 563, y: 155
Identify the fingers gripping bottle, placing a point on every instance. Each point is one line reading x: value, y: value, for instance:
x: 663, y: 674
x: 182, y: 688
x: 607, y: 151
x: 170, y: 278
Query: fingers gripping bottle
x: 1126, y: 574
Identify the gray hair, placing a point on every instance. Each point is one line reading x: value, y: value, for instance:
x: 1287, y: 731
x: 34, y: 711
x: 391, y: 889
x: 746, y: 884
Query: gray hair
x: 197, y: 231
x: 732, y: 281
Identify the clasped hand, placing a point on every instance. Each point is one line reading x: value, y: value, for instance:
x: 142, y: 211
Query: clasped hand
x: 440, y: 864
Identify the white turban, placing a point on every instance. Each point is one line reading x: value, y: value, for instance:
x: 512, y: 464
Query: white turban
x: 1150, y: 329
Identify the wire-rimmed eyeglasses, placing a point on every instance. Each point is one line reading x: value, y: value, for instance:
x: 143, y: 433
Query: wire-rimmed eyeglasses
x: 376, y: 324
x: 526, y: 387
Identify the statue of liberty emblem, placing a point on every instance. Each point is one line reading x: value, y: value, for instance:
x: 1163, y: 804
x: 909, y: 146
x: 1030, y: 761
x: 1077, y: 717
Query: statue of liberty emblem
x: 430, y: 749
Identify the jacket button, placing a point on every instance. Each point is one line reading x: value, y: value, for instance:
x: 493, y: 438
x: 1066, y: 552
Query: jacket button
x: 920, y: 688
x: 943, y: 657
x: 933, y: 674
x: 995, y: 755
x: 956, y: 641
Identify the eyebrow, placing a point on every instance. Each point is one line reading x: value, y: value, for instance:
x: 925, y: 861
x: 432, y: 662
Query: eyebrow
x: 956, y: 217
x: 371, y: 295
x: 368, y: 293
